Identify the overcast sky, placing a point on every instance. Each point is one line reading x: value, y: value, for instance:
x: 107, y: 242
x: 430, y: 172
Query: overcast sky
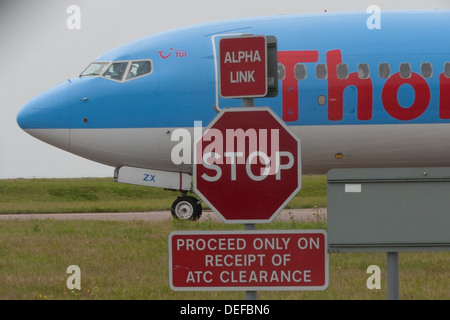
x: 38, y: 51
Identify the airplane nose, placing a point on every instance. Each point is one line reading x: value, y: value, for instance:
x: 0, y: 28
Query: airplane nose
x: 47, y: 116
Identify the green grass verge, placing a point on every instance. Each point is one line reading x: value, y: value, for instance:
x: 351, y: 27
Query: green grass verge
x: 105, y: 195
x: 129, y: 260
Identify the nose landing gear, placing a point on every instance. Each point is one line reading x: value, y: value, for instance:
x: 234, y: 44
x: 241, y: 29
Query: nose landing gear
x: 186, y: 208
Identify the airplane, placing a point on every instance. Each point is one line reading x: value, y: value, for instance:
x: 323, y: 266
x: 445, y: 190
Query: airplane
x: 356, y: 96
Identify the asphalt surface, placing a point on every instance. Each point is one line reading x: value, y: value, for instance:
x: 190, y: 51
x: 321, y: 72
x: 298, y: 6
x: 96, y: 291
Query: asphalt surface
x: 285, y: 215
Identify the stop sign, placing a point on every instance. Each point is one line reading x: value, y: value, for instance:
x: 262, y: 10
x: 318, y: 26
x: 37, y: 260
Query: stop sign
x: 247, y: 165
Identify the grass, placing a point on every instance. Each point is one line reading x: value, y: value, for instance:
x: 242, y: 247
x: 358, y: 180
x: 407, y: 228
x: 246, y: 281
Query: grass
x: 129, y: 260
x: 105, y: 195
x: 79, y: 195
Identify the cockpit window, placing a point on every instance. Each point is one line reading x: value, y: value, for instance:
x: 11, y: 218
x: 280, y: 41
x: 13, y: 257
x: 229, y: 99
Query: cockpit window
x: 94, y: 69
x: 120, y: 70
x: 116, y: 71
x: 139, y: 69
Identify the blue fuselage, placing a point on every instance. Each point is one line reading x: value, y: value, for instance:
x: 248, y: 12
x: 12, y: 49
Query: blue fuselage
x: 377, y: 97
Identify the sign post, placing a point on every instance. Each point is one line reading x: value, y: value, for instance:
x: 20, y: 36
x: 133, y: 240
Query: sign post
x: 247, y: 168
x: 244, y: 73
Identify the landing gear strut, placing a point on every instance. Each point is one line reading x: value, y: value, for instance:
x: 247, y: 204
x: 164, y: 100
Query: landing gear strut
x: 186, y: 208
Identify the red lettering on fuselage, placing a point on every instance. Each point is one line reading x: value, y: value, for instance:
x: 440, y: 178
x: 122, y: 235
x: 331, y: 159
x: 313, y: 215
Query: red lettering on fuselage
x: 390, y: 93
x: 444, y: 97
x: 290, y: 84
x: 337, y: 86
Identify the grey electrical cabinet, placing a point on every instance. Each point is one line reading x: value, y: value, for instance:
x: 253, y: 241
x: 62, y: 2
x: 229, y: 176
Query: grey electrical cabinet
x: 390, y: 210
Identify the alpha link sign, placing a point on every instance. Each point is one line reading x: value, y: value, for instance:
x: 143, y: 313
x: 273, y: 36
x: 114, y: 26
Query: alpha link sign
x: 243, y: 67
x: 248, y: 260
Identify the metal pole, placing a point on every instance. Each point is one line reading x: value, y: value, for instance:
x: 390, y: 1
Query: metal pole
x: 248, y: 102
x: 251, y: 295
x: 392, y: 276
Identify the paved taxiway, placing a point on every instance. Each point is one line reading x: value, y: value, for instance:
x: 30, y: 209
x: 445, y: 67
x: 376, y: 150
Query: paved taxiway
x: 285, y: 215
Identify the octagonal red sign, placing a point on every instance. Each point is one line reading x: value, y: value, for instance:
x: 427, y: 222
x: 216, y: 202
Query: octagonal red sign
x: 247, y: 165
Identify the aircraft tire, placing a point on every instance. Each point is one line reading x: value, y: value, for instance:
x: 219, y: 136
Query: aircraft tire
x: 186, y: 208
